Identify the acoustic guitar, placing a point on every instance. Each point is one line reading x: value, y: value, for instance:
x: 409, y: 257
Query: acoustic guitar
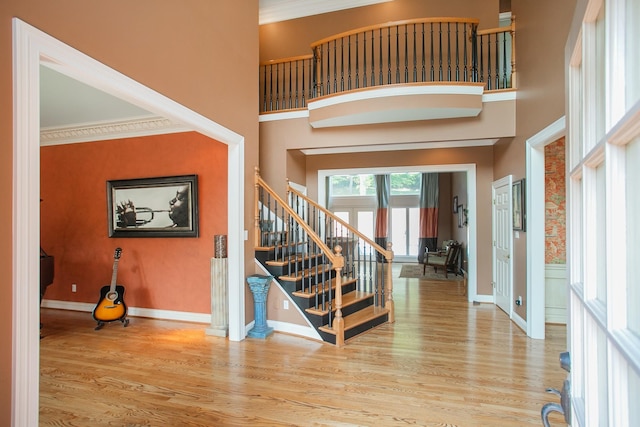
x: 111, y: 306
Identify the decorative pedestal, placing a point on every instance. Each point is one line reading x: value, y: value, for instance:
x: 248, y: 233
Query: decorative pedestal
x: 219, y: 305
x: 259, y: 286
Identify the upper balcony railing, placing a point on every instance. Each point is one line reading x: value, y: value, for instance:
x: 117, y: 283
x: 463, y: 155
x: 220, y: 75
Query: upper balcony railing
x: 429, y: 50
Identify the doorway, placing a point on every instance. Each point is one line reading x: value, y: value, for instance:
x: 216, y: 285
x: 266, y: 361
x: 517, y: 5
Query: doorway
x: 32, y: 47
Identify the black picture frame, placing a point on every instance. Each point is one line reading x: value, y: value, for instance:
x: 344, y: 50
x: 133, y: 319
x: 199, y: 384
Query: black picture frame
x: 519, y: 208
x: 455, y: 204
x: 153, y: 207
x: 461, y: 219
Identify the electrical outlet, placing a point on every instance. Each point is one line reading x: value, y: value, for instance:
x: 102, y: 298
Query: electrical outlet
x: 285, y: 304
x: 73, y: 287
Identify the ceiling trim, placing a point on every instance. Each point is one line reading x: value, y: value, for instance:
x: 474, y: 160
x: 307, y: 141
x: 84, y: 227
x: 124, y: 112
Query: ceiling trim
x: 281, y: 10
x: 399, y: 147
x: 138, y: 127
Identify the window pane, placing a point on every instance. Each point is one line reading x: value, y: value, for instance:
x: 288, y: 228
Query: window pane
x: 634, y: 397
x: 603, y: 401
x: 365, y: 223
x: 601, y: 250
x: 600, y: 61
x: 399, y: 231
x: 633, y: 235
x: 414, y: 227
x: 405, y: 183
x: 337, y: 227
x: 632, y: 58
x: 352, y: 185
x: 576, y: 235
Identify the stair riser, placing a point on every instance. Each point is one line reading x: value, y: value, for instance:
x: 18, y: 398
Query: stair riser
x: 310, y: 302
x: 318, y: 321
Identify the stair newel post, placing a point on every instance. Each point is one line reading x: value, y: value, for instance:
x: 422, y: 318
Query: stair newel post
x: 257, y: 234
x: 389, y: 279
x: 338, y: 321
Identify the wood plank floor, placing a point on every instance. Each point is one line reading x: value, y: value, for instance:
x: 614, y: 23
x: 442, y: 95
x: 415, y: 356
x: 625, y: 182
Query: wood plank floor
x: 445, y: 362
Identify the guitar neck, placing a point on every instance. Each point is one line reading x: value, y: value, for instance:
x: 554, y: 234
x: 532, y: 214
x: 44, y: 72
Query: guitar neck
x: 114, y: 275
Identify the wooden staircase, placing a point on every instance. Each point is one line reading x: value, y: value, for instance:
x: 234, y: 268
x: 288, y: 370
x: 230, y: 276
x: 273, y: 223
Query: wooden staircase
x: 343, y: 292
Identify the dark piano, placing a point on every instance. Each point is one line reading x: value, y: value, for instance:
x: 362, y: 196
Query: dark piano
x: 46, y: 272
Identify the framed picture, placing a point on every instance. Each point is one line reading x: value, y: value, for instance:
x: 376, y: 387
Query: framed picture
x: 519, y: 213
x: 455, y: 204
x: 461, y: 219
x: 153, y: 207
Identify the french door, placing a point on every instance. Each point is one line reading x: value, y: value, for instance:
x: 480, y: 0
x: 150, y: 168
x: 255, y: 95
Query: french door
x: 603, y: 166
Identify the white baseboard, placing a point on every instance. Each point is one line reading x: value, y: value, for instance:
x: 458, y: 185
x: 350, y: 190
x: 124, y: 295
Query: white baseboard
x: 519, y: 321
x: 483, y: 298
x: 182, y: 316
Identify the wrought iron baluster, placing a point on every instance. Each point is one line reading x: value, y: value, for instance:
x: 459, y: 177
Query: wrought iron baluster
x: 424, y: 71
x: 373, y: 60
x: 364, y: 59
x: 440, y: 71
x: 357, y: 63
x: 497, y: 50
x: 397, y: 54
x: 457, y: 52
x: 342, y: 64
x: 504, y: 60
x: 415, y: 58
x: 381, y: 79
x: 448, y: 51
x: 465, y: 52
x: 335, y: 67
x: 406, y: 54
x: 488, y: 61
x: 389, y: 55
x: 349, y: 67
x: 328, y: 90
x: 433, y: 71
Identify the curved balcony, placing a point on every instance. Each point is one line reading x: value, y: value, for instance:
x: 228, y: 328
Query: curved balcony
x: 416, y: 69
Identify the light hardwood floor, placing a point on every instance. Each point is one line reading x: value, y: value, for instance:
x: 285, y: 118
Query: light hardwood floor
x: 445, y: 362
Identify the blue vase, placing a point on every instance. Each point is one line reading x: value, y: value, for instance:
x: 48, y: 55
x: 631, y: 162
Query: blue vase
x: 259, y: 286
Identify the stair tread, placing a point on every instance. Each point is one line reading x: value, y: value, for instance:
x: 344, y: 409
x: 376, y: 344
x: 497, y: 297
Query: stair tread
x: 347, y: 299
x: 322, y: 268
x: 358, y: 318
x: 310, y: 293
x: 290, y: 259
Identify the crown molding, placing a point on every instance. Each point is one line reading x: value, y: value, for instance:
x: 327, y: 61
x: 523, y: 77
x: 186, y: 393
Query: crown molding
x: 109, y: 130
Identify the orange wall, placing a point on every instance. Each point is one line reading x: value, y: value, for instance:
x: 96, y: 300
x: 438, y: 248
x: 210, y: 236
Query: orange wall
x: 161, y: 273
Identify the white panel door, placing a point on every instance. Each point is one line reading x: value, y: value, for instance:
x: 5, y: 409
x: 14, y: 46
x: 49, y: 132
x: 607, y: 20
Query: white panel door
x: 502, y: 239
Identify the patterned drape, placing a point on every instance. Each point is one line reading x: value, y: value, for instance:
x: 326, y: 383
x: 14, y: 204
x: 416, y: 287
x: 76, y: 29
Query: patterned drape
x: 383, y: 189
x: 429, y: 195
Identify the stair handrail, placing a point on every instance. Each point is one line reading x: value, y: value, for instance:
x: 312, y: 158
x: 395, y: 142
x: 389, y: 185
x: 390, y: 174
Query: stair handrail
x: 336, y: 260
x: 472, y: 21
x: 388, y: 254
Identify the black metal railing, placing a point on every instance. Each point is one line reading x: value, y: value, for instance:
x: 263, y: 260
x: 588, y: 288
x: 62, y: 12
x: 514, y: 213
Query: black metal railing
x: 286, y: 84
x: 420, y: 51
